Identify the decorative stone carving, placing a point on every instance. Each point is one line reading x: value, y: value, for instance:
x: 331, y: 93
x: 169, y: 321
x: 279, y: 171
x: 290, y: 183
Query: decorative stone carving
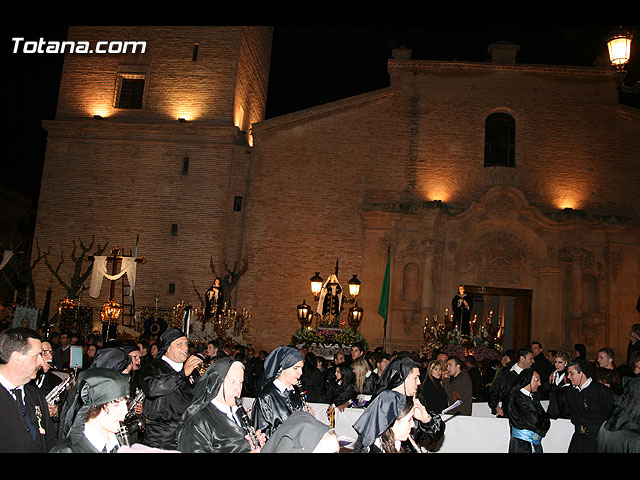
x: 498, y: 253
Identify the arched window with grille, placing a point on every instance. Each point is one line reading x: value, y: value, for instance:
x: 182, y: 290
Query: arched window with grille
x: 500, y: 140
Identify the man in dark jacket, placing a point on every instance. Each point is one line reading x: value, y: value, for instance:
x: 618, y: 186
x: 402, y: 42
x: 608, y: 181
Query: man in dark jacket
x: 459, y: 386
x: 167, y: 383
x: 476, y: 376
x: 543, y: 367
x: 500, y: 390
x: 25, y: 424
x: 213, y: 423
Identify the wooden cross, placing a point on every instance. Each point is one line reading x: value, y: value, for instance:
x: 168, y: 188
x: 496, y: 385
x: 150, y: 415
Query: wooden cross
x: 116, y: 259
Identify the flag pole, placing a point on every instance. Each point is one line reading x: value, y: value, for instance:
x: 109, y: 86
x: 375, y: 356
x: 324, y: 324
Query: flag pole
x: 383, y: 305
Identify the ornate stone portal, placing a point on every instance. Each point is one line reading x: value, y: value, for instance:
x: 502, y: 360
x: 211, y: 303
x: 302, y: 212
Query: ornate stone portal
x: 567, y: 275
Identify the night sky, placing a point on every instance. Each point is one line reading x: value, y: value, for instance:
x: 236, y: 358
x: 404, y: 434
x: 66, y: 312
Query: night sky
x: 311, y: 65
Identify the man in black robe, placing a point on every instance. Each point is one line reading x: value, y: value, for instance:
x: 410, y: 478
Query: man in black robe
x: 278, y: 398
x: 167, y: 383
x: 590, y: 404
x: 461, y: 305
x: 528, y: 419
x: 213, y: 422
x: 25, y: 424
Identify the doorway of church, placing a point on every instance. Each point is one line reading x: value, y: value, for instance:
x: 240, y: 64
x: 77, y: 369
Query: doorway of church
x: 509, y: 308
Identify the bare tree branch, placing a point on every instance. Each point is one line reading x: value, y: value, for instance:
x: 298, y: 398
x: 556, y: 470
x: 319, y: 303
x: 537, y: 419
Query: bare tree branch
x: 230, y: 280
x: 202, y: 302
x: 74, y: 286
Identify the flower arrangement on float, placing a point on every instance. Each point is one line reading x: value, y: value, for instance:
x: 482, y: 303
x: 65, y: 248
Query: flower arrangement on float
x: 484, y: 341
x: 325, y: 337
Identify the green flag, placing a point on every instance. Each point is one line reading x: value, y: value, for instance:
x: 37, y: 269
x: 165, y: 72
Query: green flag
x: 383, y: 306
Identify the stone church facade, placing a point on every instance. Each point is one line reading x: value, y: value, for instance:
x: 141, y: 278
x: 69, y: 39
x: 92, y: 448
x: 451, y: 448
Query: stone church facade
x: 517, y: 181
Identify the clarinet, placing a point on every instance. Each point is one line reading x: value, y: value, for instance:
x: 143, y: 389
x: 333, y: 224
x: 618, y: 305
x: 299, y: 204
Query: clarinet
x: 248, y: 427
x: 303, y: 396
x: 123, y: 436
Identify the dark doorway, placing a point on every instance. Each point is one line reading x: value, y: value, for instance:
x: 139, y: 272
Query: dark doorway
x: 510, y: 307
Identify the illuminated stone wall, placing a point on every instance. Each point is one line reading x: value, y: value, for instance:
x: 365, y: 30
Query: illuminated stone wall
x: 347, y: 179
x: 369, y: 168
x: 138, y: 172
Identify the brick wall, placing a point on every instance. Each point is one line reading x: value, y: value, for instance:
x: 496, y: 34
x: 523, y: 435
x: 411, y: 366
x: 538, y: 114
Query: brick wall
x: 309, y: 178
x: 122, y: 176
x: 421, y: 140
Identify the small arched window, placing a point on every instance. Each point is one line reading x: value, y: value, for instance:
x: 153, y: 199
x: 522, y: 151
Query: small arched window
x: 500, y: 141
x: 590, y: 294
x: 410, y: 280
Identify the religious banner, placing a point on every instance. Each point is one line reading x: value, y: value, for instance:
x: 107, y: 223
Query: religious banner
x: 76, y: 321
x: 25, y: 317
x: 156, y: 320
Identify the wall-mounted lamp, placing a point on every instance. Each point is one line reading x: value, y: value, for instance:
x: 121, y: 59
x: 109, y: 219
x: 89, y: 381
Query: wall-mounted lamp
x: 182, y: 120
x: 619, y: 46
x: 97, y: 117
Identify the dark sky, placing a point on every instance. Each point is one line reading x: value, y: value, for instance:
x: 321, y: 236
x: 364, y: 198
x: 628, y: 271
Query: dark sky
x: 311, y: 65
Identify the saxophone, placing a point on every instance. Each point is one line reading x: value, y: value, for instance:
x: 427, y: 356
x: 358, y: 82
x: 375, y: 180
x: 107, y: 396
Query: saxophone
x: 202, y: 367
x: 131, y: 420
x: 54, y: 395
x: 132, y: 404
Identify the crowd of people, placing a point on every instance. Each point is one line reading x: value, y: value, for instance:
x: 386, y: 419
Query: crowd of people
x: 176, y: 395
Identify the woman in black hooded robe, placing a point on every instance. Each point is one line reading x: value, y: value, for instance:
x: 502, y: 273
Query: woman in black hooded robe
x: 205, y: 427
x: 279, y: 396
x: 402, y: 375
x: 385, y: 424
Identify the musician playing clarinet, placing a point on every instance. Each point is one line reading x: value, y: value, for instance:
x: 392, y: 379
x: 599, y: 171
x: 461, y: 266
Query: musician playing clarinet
x: 279, y: 396
x: 213, y: 423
